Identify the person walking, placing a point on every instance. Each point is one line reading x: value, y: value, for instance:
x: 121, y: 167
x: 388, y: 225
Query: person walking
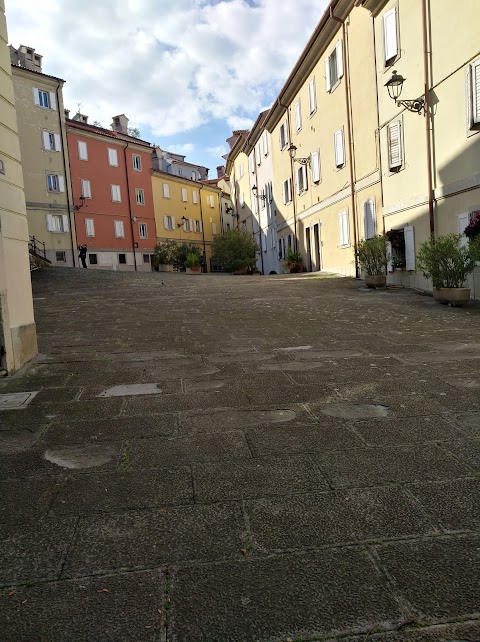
x: 82, y: 255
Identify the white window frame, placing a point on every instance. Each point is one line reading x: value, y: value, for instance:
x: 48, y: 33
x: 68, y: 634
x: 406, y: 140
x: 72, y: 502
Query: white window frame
x: 143, y: 230
x: 86, y: 188
x: 301, y: 179
x: 166, y: 190
x: 212, y: 200
x: 287, y: 191
x: 51, y: 141
x: 312, y: 97
x: 57, y: 223
x: 369, y: 220
x: 139, y: 196
x: 283, y: 135
x: 266, y: 145
x: 395, y: 160
x: 57, y: 181
x: 195, y: 197
x: 339, y: 149
x: 137, y: 162
x: 409, y: 236
x: 168, y: 222
x: 344, y: 225
x: 197, y: 227
x: 298, y: 115
x: 184, y: 195
x: 334, y: 67
x: 112, y: 157
x: 115, y: 189
x: 473, y: 94
x: 315, y: 166
x: 214, y: 229
x: 44, y: 99
x: 119, y: 229
x: 82, y: 145
x: 89, y: 227
x: 390, y: 25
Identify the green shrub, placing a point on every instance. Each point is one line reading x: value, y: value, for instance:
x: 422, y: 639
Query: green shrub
x: 165, y: 253
x: 446, y: 261
x: 372, y: 255
x: 183, y: 250
x: 235, y: 250
x: 192, y: 260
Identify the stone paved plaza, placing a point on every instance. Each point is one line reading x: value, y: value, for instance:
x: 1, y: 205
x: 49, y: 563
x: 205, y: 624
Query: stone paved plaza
x: 303, y: 463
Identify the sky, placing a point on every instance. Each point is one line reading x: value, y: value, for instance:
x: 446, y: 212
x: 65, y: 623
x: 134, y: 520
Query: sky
x: 185, y: 72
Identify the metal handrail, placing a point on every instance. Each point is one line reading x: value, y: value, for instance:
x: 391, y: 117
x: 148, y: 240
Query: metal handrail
x: 37, y: 247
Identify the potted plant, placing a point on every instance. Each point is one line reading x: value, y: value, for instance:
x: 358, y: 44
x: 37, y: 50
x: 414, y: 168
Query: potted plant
x: 164, y: 256
x: 448, y: 262
x: 472, y: 231
x: 192, y: 263
x: 372, y: 258
x: 294, y: 261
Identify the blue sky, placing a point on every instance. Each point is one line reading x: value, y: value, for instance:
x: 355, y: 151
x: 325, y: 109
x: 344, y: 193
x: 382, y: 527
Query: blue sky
x: 185, y: 72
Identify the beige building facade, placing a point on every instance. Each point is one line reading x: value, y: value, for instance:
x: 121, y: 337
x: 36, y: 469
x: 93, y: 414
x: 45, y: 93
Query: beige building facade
x: 43, y: 142
x: 18, y: 339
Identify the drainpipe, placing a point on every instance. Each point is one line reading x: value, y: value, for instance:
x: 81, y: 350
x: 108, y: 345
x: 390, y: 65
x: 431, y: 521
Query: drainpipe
x: 428, y: 118
x: 350, y: 133
x: 129, y: 204
x: 201, y: 218
x: 65, y: 151
x: 258, y: 208
x: 292, y: 175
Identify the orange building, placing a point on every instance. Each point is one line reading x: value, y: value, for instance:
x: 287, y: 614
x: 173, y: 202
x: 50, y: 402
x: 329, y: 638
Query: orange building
x: 112, y: 194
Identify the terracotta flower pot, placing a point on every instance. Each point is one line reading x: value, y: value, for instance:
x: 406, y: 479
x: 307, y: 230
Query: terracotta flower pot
x: 455, y: 297
x: 375, y: 281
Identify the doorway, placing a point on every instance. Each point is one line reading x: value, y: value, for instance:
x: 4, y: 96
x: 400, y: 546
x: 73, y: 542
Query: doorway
x: 309, y: 248
x: 317, y: 265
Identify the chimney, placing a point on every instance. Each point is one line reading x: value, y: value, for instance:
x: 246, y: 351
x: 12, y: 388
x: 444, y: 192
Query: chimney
x: 220, y: 171
x: 67, y: 113
x: 120, y: 124
x: 80, y: 118
x: 26, y: 57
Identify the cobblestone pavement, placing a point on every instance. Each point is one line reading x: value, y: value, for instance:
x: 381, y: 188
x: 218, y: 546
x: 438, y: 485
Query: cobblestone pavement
x: 303, y: 463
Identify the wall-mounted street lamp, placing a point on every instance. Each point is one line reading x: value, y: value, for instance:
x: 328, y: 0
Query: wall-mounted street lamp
x: 182, y: 223
x: 82, y: 203
x: 255, y: 191
x: 395, y: 85
x: 292, y: 150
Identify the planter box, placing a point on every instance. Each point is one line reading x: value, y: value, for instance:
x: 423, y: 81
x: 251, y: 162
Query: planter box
x: 165, y: 268
x: 194, y: 270
x: 452, y: 296
x: 377, y: 281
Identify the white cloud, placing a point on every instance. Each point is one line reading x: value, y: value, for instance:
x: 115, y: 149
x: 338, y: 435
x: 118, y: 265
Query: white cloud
x: 184, y: 149
x: 169, y: 66
x: 217, y: 151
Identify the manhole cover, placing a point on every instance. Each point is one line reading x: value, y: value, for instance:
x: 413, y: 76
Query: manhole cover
x: 16, y: 400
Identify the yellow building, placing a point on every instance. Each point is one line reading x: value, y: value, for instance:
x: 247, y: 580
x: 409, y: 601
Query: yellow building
x: 186, y: 211
x: 241, y: 193
x: 325, y: 162
x: 43, y: 142
x: 430, y: 162
x: 18, y: 339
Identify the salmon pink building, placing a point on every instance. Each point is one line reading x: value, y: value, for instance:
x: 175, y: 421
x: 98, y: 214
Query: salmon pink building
x: 112, y: 194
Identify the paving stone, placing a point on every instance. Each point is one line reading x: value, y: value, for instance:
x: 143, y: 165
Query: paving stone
x: 456, y: 632
x: 318, y: 519
x: 440, y: 578
x: 469, y: 423
x: 310, y: 596
x: 12, y: 441
x: 120, y: 608
x: 256, y: 478
x: 364, y: 467
x: 27, y: 419
x: 153, y: 453
x: 411, y: 407
x: 236, y: 418
x: 467, y: 451
x: 115, y: 491
x: 76, y: 410
x: 156, y: 404
x: 455, y: 504
x: 141, y: 539
x: 47, y: 395
x: 323, y: 436
x: 34, y: 552
x: 408, y: 430
x: 16, y: 504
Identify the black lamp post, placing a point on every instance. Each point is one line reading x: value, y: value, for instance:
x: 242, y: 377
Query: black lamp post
x: 255, y: 191
x: 394, y: 86
x: 292, y: 150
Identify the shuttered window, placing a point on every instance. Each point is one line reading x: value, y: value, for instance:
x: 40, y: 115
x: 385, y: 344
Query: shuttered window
x: 395, y: 152
x: 302, y: 179
x: 143, y: 231
x: 265, y: 143
x: 212, y: 200
x: 287, y: 191
x: 476, y: 92
x: 251, y: 163
x: 298, y: 116
x: 82, y: 150
x: 57, y: 223
x: 390, y: 35
x: 339, y: 148
x: 334, y: 66
x: 463, y: 221
x: 409, y: 248
x: 166, y: 190
x: 195, y: 197
x: 112, y: 157
x: 119, y: 230
x: 116, y: 195
x: 214, y: 229
x: 89, y: 227
x: 369, y: 219
x: 55, y: 183
x: 184, y: 194
x: 315, y: 164
x: 86, y: 189
x: 343, y: 227
x: 168, y: 222
x: 283, y: 136
x: 312, y: 97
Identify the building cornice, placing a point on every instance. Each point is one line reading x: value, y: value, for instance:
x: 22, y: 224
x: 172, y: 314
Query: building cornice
x: 98, y: 133
x: 30, y: 73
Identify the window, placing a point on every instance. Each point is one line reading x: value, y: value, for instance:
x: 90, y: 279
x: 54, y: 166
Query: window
x: 334, y: 67
x: 287, y: 191
x: 302, y: 179
x: 122, y: 259
x: 394, y: 143
x: 119, y: 229
x: 139, y: 196
x: 146, y: 258
x: 184, y: 194
x: 168, y: 222
x: 339, y: 148
x: 409, y: 247
x: 258, y: 154
x: 280, y: 249
x: 57, y: 223
x: 194, y: 176
x: 283, y: 134
x: 86, y: 188
x: 211, y: 198
x: 312, y: 97
x: 214, y: 229
x: 195, y: 197
x: 112, y: 157
x: 2, y: 167
x: 186, y: 225
x: 390, y: 36
x: 265, y: 143
x: 166, y: 190
x: 137, y: 162
x: 92, y: 259
x: 197, y: 226
x: 45, y: 99
x: 473, y: 95
x: 61, y: 257
x: 89, y: 227
x: 143, y: 230
x: 369, y: 219
x: 343, y: 224
x: 51, y: 142
x: 55, y: 183
x: 315, y: 165
x: 241, y: 170
x: 298, y: 116
x: 116, y: 195
x: 82, y: 150
x: 242, y: 199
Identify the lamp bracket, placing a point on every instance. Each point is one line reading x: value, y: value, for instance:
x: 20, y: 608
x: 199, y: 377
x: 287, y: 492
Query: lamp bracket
x: 303, y: 161
x: 416, y: 106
